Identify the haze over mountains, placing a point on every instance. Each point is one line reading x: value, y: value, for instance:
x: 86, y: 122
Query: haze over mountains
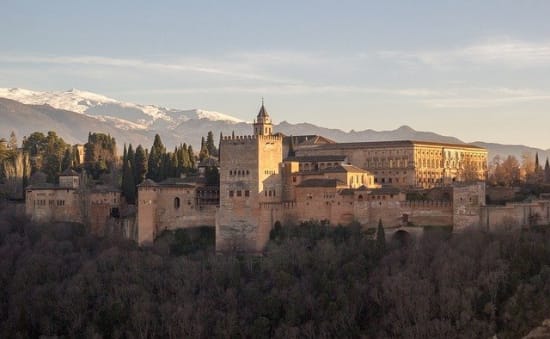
x: 73, y: 113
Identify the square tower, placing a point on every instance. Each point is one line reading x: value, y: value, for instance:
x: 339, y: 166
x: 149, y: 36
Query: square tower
x: 249, y: 179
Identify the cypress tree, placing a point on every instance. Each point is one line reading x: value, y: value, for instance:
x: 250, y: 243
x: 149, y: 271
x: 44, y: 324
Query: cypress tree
x: 191, y: 154
x: 67, y: 161
x: 124, y: 163
x: 140, y: 169
x: 131, y: 156
x: 128, y: 183
x: 155, y: 162
x: 210, y: 145
x: 76, y: 157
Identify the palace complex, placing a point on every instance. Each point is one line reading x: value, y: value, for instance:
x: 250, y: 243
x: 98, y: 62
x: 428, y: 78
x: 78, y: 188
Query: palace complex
x: 267, y: 178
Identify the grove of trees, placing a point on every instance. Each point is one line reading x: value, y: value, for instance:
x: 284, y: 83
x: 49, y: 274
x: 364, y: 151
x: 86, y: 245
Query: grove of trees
x: 313, y: 281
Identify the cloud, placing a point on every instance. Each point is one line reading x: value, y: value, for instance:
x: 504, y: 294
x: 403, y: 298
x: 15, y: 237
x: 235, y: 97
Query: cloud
x: 181, y: 66
x: 509, y: 53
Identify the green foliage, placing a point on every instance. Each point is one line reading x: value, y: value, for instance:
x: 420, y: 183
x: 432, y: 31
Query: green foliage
x: 128, y: 183
x: 193, y: 240
x: 67, y: 161
x: 140, y: 169
x: 155, y: 165
x: 314, y: 280
x: 99, y: 154
x: 210, y: 145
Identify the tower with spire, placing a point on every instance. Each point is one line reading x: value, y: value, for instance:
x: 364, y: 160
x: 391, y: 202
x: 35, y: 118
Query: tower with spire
x: 262, y: 124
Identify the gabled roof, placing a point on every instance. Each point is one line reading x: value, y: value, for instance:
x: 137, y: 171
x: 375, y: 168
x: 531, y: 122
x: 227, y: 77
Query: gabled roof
x: 147, y: 183
x: 394, y: 143
x: 318, y: 158
x: 69, y: 172
x: 344, y: 169
x: 321, y: 183
x: 304, y: 140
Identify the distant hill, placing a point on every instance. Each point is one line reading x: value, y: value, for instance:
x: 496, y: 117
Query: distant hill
x: 73, y: 113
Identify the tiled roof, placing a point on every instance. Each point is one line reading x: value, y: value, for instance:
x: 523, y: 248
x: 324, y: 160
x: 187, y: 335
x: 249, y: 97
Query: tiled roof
x: 384, y: 190
x: 396, y: 143
x: 344, y: 169
x: 321, y: 183
x: 318, y: 158
x: 69, y: 172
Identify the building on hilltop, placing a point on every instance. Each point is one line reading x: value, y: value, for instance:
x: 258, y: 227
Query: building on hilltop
x: 409, y: 163
x: 266, y: 177
x: 250, y: 176
x: 69, y: 201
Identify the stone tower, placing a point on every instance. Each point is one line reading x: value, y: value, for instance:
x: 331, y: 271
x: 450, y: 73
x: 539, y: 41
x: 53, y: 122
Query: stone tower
x: 262, y: 124
x: 250, y: 179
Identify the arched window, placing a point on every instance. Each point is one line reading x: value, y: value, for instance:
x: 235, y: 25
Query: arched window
x: 360, y: 197
x: 176, y: 202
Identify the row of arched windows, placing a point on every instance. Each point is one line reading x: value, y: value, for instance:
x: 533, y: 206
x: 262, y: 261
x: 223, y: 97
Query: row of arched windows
x: 239, y: 172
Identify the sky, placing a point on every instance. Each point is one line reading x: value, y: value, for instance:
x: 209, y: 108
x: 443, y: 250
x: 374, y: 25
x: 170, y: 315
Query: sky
x: 477, y: 70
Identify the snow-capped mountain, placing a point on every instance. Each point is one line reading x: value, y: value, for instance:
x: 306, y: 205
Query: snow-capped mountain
x: 124, y: 115
x: 73, y: 114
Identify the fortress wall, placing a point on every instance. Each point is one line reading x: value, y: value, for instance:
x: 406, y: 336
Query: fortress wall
x: 467, y: 202
x: 100, y: 205
x: 513, y: 216
x: 146, y: 214
x: 171, y: 215
x: 41, y: 205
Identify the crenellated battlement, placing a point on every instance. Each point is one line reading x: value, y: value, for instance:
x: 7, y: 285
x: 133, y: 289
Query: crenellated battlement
x: 431, y: 204
x: 249, y: 138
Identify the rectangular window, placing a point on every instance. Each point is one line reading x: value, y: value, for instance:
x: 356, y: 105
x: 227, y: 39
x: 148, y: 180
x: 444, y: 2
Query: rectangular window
x: 239, y: 193
x: 247, y: 193
x: 231, y: 193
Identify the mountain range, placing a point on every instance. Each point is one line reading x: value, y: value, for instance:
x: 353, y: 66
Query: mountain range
x: 74, y: 113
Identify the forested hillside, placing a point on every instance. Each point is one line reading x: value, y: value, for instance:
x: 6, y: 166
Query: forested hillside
x: 313, y: 281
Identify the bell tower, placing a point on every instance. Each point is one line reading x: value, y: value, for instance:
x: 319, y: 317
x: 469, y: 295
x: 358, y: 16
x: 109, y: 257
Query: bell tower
x: 262, y: 124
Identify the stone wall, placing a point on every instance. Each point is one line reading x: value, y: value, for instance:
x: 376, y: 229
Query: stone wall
x: 249, y: 176
x: 515, y: 215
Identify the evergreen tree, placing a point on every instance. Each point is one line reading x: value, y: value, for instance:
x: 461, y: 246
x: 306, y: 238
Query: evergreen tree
x: 380, y: 239
x: 155, y: 162
x: 67, y: 161
x: 191, y: 154
x: 538, y: 168
x: 210, y: 145
x: 204, y: 152
x: 128, y: 183
x: 100, y: 154
x: 173, y: 165
x: 131, y: 156
x: 76, y: 157
x: 124, y: 164
x: 140, y: 169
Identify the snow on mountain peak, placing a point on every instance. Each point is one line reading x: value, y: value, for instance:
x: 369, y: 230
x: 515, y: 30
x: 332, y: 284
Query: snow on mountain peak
x: 202, y: 114
x: 102, y: 107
